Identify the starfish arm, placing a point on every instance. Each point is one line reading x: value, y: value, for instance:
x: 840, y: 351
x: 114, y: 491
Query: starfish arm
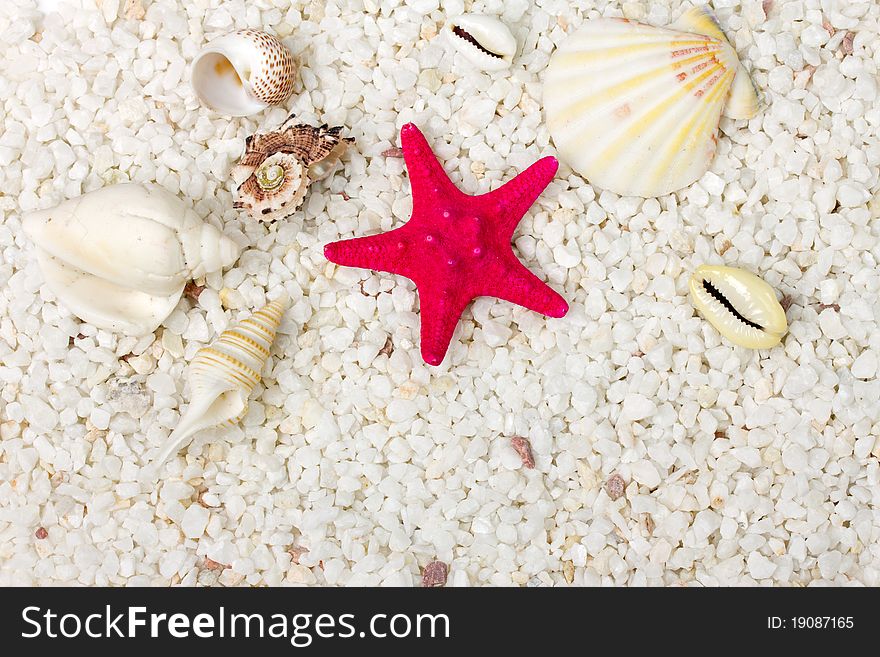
x: 514, y: 198
x: 382, y: 252
x: 520, y: 286
x: 427, y: 177
x: 440, y: 312
x: 455, y: 246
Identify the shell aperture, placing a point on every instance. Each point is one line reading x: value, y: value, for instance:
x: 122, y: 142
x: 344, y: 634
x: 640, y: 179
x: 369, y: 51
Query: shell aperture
x: 485, y: 41
x: 119, y: 257
x: 461, y: 34
x: 243, y: 72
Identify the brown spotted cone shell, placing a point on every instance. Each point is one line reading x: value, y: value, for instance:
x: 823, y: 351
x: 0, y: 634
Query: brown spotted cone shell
x: 273, y: 82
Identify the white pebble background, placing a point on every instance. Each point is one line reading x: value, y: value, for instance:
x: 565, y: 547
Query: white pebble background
x: 359, y: 467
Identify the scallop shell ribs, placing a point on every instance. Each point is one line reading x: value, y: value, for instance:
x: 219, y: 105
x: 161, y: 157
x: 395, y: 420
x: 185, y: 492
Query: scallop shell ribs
x: 635, y: 109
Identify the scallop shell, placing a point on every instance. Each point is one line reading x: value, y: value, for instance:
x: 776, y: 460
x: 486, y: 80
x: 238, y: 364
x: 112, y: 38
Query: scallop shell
x: 278, y: 166
x: 222, y: 376
x: 740, y: 305
x: 635, y: 108
x: 742, y: 102
x: 119, y: 257
x: 484, y: 40
x: 243, y: 72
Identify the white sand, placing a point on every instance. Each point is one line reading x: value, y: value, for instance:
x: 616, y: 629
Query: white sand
x: 740, y: 467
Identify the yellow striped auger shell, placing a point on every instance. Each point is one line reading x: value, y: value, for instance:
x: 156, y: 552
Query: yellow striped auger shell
x: 222, y: 376
x: 635, y: 109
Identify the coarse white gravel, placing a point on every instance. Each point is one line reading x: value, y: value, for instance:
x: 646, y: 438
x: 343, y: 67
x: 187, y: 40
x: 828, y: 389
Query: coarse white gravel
x: 359, y: 467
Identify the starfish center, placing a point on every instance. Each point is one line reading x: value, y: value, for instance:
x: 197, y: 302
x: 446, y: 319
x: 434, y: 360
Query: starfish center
x: 458, y: 238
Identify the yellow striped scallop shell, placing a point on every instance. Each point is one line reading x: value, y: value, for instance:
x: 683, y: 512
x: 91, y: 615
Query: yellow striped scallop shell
x: 635, y: 108
x: 222, y: 376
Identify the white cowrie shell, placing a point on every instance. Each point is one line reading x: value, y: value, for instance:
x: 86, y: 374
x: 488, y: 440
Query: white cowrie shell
x: 740, y: 305
x: 484, y: 40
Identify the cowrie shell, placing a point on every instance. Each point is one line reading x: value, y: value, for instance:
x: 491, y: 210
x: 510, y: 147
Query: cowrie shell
x: 740, y: 305
x: 484, y: 40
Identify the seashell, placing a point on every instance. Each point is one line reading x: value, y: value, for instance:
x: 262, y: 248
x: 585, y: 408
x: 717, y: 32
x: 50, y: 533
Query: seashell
x: 742, y: 101
x: 740, y: 305
x: 243, y: 72
x: 484, y: 40
x: 222, y: 376
x: 635, y: 108
x: 278, y: 167
x: 119, y: 257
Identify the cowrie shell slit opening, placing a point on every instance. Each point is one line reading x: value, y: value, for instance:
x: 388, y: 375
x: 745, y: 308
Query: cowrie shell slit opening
x: 724, y: 301
x: 462, y: 34
x: 741, y: 306
x: 484, y: 41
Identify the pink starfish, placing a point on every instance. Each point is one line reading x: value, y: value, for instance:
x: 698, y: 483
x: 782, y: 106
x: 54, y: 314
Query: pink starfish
x: 455, y: 247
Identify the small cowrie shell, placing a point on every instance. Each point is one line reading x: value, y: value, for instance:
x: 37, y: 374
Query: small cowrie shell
x: 740, y: 305
x: 484, y: 40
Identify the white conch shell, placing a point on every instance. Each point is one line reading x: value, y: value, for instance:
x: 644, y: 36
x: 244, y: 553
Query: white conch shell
x: 484, y: 40
x: 740, y: 305
x: 119, y: 257
x: 635, y: 108
x: 222, y: 376
x: 243, y: 73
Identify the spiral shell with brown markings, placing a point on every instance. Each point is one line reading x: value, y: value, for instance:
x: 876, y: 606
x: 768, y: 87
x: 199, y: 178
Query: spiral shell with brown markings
x: 278, y: 167
x: 243, y: 72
